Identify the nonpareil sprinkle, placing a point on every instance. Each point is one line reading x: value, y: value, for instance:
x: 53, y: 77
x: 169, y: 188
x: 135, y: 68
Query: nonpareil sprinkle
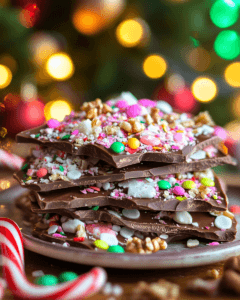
x: 61, y: 168
x: 65, y: 137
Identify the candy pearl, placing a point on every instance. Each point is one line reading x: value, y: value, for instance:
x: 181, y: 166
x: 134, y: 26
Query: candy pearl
x: 133, y: 111
x: 122, y: 104
x: 126, y: 232
x: 177, y: 137
x: 75, y: 174
x: 188, y: 184
x: 164, y: 185
x: 133, y: 143
x: 52, y: 229
x: 46, y: 280
x: 110, y: 239
x: 207, y: 182
x: 178, y: 190
x: 117, y: 147
x: 149, y: 140
x: 75, y: 132
x: 131, y: 213
x: 116, y: 249
x: 42, y: 172
x: 147, y: 103
x: 182, y: 217
x: 53, y: 123
x: 101, y: 244
x: 67, y: 276
x: 223, y: 222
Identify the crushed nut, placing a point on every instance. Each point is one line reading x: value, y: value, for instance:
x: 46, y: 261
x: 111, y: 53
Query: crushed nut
x: 95, y: 108
x: 171, y: 117
x: 92, y: 113
x: 188, y: 123
x: 132, y: 126
x: 148, y: 119
x: 57, y: 176
x: 155, y: 115
x: 161, y: 290
x: 203, y: 118
x: 136, y: 245
x: 106, y: 109
x: 214, y: 274
x: 96, y: 122
x: 81, y: 232
x: 111, y: 130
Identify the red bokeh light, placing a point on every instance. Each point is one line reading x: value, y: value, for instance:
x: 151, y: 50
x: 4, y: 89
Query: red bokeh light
x: 29, y: 15
x: 184, y: 100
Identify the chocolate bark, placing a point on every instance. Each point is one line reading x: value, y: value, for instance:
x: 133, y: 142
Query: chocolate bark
x: 74, y: 198
x: 119, y: 160
x: 153, y: 222
x: 107, y: 173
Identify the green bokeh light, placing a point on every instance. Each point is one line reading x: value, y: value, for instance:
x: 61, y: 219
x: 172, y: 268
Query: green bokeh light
x: 227, y: 44
x: 224, y: 13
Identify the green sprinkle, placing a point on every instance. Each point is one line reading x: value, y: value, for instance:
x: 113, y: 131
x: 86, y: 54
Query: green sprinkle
x: 24, y: 181
x: 67, y: 276
x: 113, y: 107
x: 54, y: 157
x: 62, y: 233
x: 47, y: 216
x: 176, y: 184
x: 164, y: 184
x: 61, y: 168
x: 95, y: 208
x: 142, y: 122
x: 116, y: 249
x: 65, y: 137
x: 37, y: 135
x: 46, y: 280
x: 24, y: 167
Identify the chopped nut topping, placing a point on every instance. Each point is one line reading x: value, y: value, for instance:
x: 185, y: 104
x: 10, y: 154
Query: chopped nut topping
x: 203, y: 118
x: 136, y: 245
x: 95, y: 108
x: 110, y: 129
x: 81, y: 232
x: 132, y: 126
x: 214, y: 274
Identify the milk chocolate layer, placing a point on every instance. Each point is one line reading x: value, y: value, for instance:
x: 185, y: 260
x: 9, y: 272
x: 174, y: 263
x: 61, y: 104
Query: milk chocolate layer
x: 109, y: 174
x: 114, y: 159
x: 150, y: 222
x: 73, y: 198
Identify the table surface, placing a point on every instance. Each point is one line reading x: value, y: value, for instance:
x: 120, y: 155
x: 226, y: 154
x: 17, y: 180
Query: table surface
x: 127, y: 279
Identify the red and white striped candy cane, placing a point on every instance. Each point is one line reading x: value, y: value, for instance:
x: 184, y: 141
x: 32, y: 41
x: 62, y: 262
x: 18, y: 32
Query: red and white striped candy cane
x: 13, y: 269
x: 10, y: 160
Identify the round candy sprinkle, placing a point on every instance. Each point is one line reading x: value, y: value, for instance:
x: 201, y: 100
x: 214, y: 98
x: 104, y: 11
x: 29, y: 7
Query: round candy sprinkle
x: 122, y: 104
x: 164, y: 185
x: 126, y: 232
x: 42, y: 172
x: 75, y: 174
x: 133, y: 143
x: 178, y: 190
x: 46, y: 280
x: 179, y: 198
x: 116, y: 249
x: 117, y: 147
x: 110, y: 239
x: 177, y: 137
x: 207, y: 182
x: 67, y: 276
x: 182, y: 217
x: 131, y: 213
x: 147, y: 103
x: 149, y: 140
x: 52, y: 229
x: 223, y: 222
x: 101, y: 244
x: 133, y: 111
x: 188, y: 184
x: 53, y: 123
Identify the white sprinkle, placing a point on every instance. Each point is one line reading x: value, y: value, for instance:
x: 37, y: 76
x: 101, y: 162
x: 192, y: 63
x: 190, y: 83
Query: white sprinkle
x: 37, y: 273
x: 71, y: 225
x: 164, y: 107
x: 131, y: 213
x: 75, y: 174
x: 164, y: 236
x: 195, y: 224
x: 126, y: 232
x: 116, y: 228
x: 223, y: 222
x: 117, y: 290
x: 107, y: 289
x: 110, y: 239
x: 192, y: 243
x: 52, y: 229
x: 182, y: 217
x: 32, y: 136
x: 199, y: 155
x: 116, y: 214
x: 66, y: 245
x: 106, y: 186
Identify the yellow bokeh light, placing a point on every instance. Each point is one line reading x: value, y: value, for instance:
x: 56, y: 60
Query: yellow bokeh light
x: 4, y: 185
x: 57, y: 109
x: 236, y: 106
x: 233, y: 129
x: 154, y: 66
x: 232, y: 74
x: 130, y: 33
x: 87, y: 21
x: 60, y: 66
x: 5, y: 76
x: 204, y: 89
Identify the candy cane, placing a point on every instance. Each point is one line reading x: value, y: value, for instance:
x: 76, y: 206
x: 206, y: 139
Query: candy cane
x: 13, y: 270
x: 9, y: 160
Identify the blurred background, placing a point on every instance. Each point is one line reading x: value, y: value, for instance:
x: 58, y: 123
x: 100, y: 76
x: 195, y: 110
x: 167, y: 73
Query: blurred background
x: 54, y: 55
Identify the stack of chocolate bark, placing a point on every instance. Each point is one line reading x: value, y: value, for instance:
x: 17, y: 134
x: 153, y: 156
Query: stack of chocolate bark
x: 128, y: 175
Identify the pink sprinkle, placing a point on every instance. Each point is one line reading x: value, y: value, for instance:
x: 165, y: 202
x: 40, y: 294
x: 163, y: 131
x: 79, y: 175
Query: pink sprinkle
x: 30, y: 172
x: 59, y: 229
x: 59, y: 235
x: 223, y: 229
x: 84, y: 191
x: 95, y: 188
x: 175, y: 147
x: 53, y: 123
x: 177, y: 137
x: 147, y: 103
x: 90, y: 190
x: 133, y: 111
x: 207, y: 227
x: 178, y: 190
x: 149, y: 140
x: 220, y: 132
x: 213, y: 244
x: 75, y: 132
x: 218, y: 201
x: 122, y: 104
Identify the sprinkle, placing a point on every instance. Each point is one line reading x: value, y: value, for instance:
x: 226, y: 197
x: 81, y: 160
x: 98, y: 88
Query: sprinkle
x: 213, y: 244
x: 207, y: 227
x: 133, y: 111
x: 147, y: 103
x: 57, y: 235
x: 65, y: 137
x: 37, y: 135
x: 24, y: 167
x: 53, y: 123
x: 95, y: 188
x: 78, y: 239
x: 75, y: 132
x: 61, y: 168
x: 95, y: 208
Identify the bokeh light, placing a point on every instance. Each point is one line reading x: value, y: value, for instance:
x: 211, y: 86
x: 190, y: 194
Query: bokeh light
x: 28, y: 91
x: 154, y: 66
x: 130, y: 33
x: 34, y: 113
x: 60, y: 66
x: 87, y: 21
x: 4, y: 185
x: 29, y: 15
x: 236, y: 106
x: 184, y: 100
x: 204, y: 89
x: 232, y: 74
x: 227, y: 44
x: 233, y: 129
x: 5, y: 76
x: 175, y: 83
x: 9, y: 61
x: 11, y: 101
x: 199, y: 59
x: 224, y: 13
x: 57, y: 109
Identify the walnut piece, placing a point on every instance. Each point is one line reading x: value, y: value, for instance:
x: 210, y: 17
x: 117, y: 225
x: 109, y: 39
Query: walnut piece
x: 132, y: 126
x: 161, y: 290
x: 96, y: 122
x: 155, y: 115
x: 203, y: 118
x: 188, y: 123
x: 148, y: 246
x: 81, y: 232
x: 111, y: 129
x: 95, y: 108
x: 148, y: 119
x: 213, y: 274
